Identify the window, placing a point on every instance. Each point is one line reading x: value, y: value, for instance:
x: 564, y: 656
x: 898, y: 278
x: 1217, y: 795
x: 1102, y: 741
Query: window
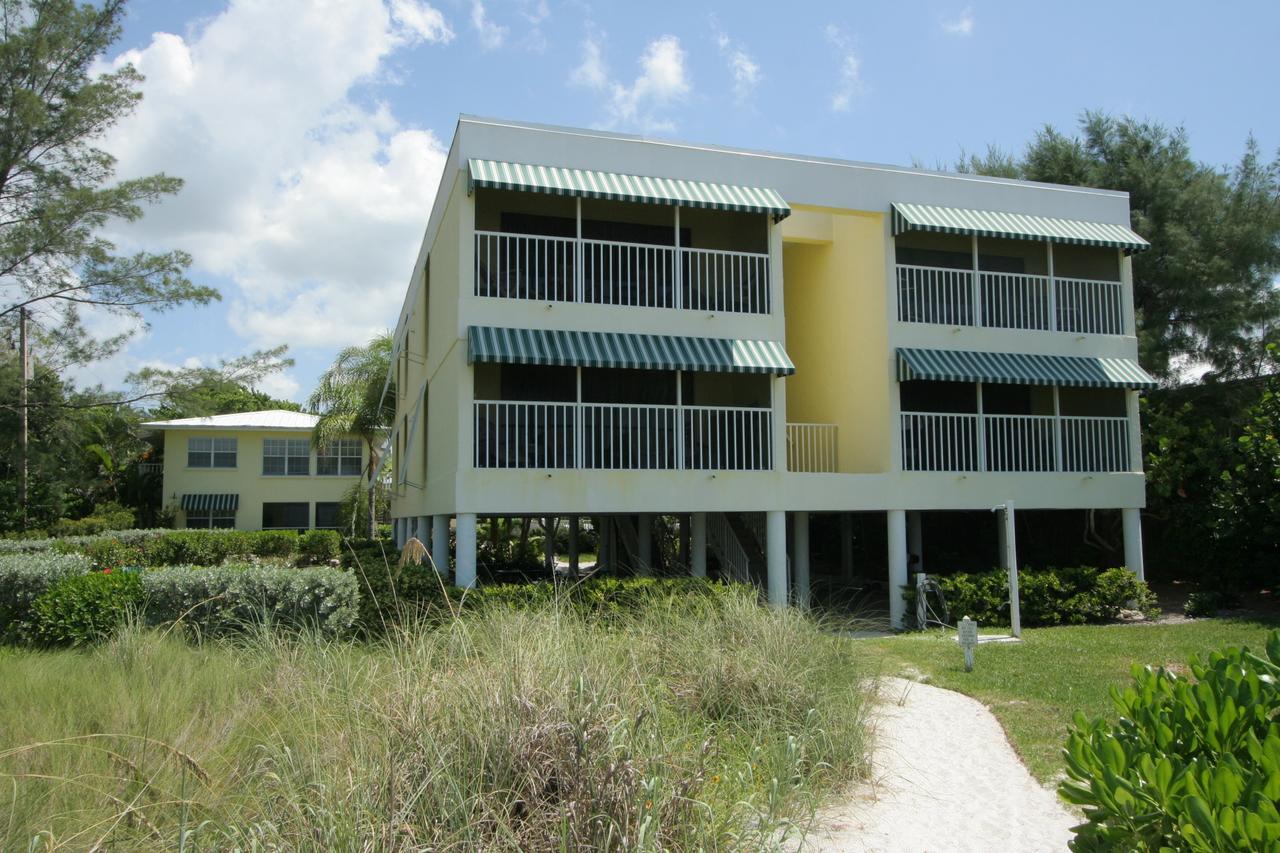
x: 339, y: 458
x: 207, y: 518
x: 290, y: 516
x: 211, y: 453
x: 327, y: 515
x: 286, y: 457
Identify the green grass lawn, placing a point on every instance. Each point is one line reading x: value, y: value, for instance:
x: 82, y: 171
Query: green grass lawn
x: 1035, y: 687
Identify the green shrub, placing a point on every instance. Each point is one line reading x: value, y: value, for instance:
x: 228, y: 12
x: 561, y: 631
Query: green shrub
x: 71, y: 544
x: 1072, y: 596
x: 1208, y: 602
x: 1192, y: 764
x: 84, y: 609
x: 105, y: 516
x: 23, y: 579
x: 224, y: 599
x: 270, y: 543
x: 319, y: 546
x: 110, y: 553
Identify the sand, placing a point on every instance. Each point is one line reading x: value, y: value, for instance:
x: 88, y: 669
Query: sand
x: 944, y: 778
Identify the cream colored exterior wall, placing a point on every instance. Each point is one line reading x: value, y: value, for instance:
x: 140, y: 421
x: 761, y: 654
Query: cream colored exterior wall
x: 834, y: 294
x: 246, y: 479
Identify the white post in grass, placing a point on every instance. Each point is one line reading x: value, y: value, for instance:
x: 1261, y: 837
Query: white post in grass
x: 776, y: 547
x: 802, y: 558
x: 698, y: 544
x: 897, y: 532
x: 465, y: 562
x: 1010, y: 559
x: 440, y: 543
x: 1131, y: 518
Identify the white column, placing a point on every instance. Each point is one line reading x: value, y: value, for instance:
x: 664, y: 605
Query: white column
x: 801, y: 520
x: 440, y: 543
x: 1126, y: 292
x: 1053, y: 289
x: 1135, y: 430
x: 424, y: 529
x: 698, y: 544
x: 977, y: 284
x: 846, y: 545
x: 644, y: 542
x: 897, y: 532
x: 1057, y: 430
x: 982, y: 433
x: 1131, y: 517
x: 915, y: 540
x: 776, y: 554
x: 1009, y: 557
x: 677, y: 298
x: 465, y: 563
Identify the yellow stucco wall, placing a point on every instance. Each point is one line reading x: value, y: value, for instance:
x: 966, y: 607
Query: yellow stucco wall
x: 246, y: 479
x: 837, y: 332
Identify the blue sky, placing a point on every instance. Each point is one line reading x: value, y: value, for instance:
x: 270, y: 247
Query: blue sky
x: 312, y: 133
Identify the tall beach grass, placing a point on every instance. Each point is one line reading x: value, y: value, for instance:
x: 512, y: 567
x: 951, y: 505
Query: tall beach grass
x: 715, y: 727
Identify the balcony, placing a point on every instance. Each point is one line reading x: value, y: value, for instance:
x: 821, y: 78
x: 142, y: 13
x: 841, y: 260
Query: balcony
x: 621, y: 437
x: 937, y: 441
x: 606, y: 272
x: 811, y: 448
x: 963, y: 297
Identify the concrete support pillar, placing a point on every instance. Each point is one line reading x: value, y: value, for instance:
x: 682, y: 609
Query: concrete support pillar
x: 465, y: 561
x: 644, y: 540
x: 573, y: 545
x: 897, y: 532
x: 915, y: 542
x: 684, y: 540
x: 698, y: 544
x: 1131, y: 518
x: 423, y: 529
x: 801, y: 562
x: 776, y: 556
x: 604, y: 551
x: 1009, y: 559
x: 440, y: 543
x: 395, y: 531
x: 846, y: 545
x: 549, y: 525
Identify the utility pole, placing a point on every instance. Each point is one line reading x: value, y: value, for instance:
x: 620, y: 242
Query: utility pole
x: 25, y: 357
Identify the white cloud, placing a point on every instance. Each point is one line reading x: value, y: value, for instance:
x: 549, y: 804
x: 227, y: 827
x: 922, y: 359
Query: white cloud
x: 663, y: 80
x: 421, y: 20
x: 312, y: 202
x: 744, y: 70
x: 849, y: 75
x: 961, y: 26
x: 491, y: 35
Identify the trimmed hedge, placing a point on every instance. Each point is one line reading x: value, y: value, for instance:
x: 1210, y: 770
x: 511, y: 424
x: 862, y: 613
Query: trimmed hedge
x: 1192, y: 763
x: 1074, y: 596
x: 120, y: 548
x: 85, y: 609
x: 70, y: 544
x: 26, y: 577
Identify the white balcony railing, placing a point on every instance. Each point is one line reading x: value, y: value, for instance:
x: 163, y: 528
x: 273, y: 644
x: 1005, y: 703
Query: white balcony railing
x: 934, y: 441
x: 621, y: 437
x: 606, y: 272
x: 948, y: 296
x: 811, y: 448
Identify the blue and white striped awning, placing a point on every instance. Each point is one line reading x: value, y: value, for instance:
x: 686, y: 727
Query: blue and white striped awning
x: 587, y: 183
x: 1009, y: 368
x: 626, y: 350
x: 1018, y: 226
x: 203, y: 502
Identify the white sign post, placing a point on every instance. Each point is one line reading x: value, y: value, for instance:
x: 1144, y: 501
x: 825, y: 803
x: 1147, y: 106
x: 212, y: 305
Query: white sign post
x: 968, y: 636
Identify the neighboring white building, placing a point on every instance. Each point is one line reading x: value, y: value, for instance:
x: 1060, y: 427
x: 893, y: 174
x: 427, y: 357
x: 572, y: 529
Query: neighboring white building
x: 611, y: 326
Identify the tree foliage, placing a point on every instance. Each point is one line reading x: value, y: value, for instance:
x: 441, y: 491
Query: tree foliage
x: 1205, y: 292
x: 56, y: 189
x: 350, y: 399
x: 192, y: 392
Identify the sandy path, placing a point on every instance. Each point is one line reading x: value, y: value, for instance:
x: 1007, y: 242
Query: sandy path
x: 944, y: 777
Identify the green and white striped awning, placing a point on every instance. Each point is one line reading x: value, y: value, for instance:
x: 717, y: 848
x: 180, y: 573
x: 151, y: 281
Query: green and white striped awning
x: 1011, y: 368
x: 493, y: 174
x: 624, y: 349
x: 1018, y: 226
x: 223, y: 502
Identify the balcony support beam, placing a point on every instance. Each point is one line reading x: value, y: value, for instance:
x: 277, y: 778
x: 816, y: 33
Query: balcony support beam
x: 896, y: 528
x: 1053, y: 288
x: 802, y: 593
x: 698, y: 544
x: 465, y: 562
x: 915, y: 542
x: 1131, y: 518
x: 644, y: 543
x: 1057, y: 430
x: 982, y: 433
x: 977, y: 284
x: 776, y: 556
x: 440, y: 543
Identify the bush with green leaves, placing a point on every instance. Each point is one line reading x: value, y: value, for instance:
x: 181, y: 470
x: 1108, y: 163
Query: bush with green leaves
x: 1073, y: 596
x: 225, y: 599
x: 1192, y: 764
x: 23, y: 579
x: 68, y: 544
x: 83, y: 609
x: 319, y: 546
x: 105, y: 516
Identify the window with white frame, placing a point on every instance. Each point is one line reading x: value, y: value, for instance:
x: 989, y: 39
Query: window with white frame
x: 211, y: 518
x: 211, y: 453
x: 286, y: 457
x: 339, y: 458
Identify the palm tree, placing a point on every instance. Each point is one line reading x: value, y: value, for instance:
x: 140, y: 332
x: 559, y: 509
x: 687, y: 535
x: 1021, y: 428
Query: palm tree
x: 350, y: 400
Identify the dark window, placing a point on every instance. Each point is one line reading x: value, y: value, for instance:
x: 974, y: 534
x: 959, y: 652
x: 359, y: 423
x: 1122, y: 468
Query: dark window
x: 207, y: 518
x: 958, y: 260
x: 339, y: 458
x: 327, y: 515
x: 295, y: 516
x: 595, y: 229
x: 539, y: 383
x: 926, y: 395
x: 617, y: 385
x: 211, y: 453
